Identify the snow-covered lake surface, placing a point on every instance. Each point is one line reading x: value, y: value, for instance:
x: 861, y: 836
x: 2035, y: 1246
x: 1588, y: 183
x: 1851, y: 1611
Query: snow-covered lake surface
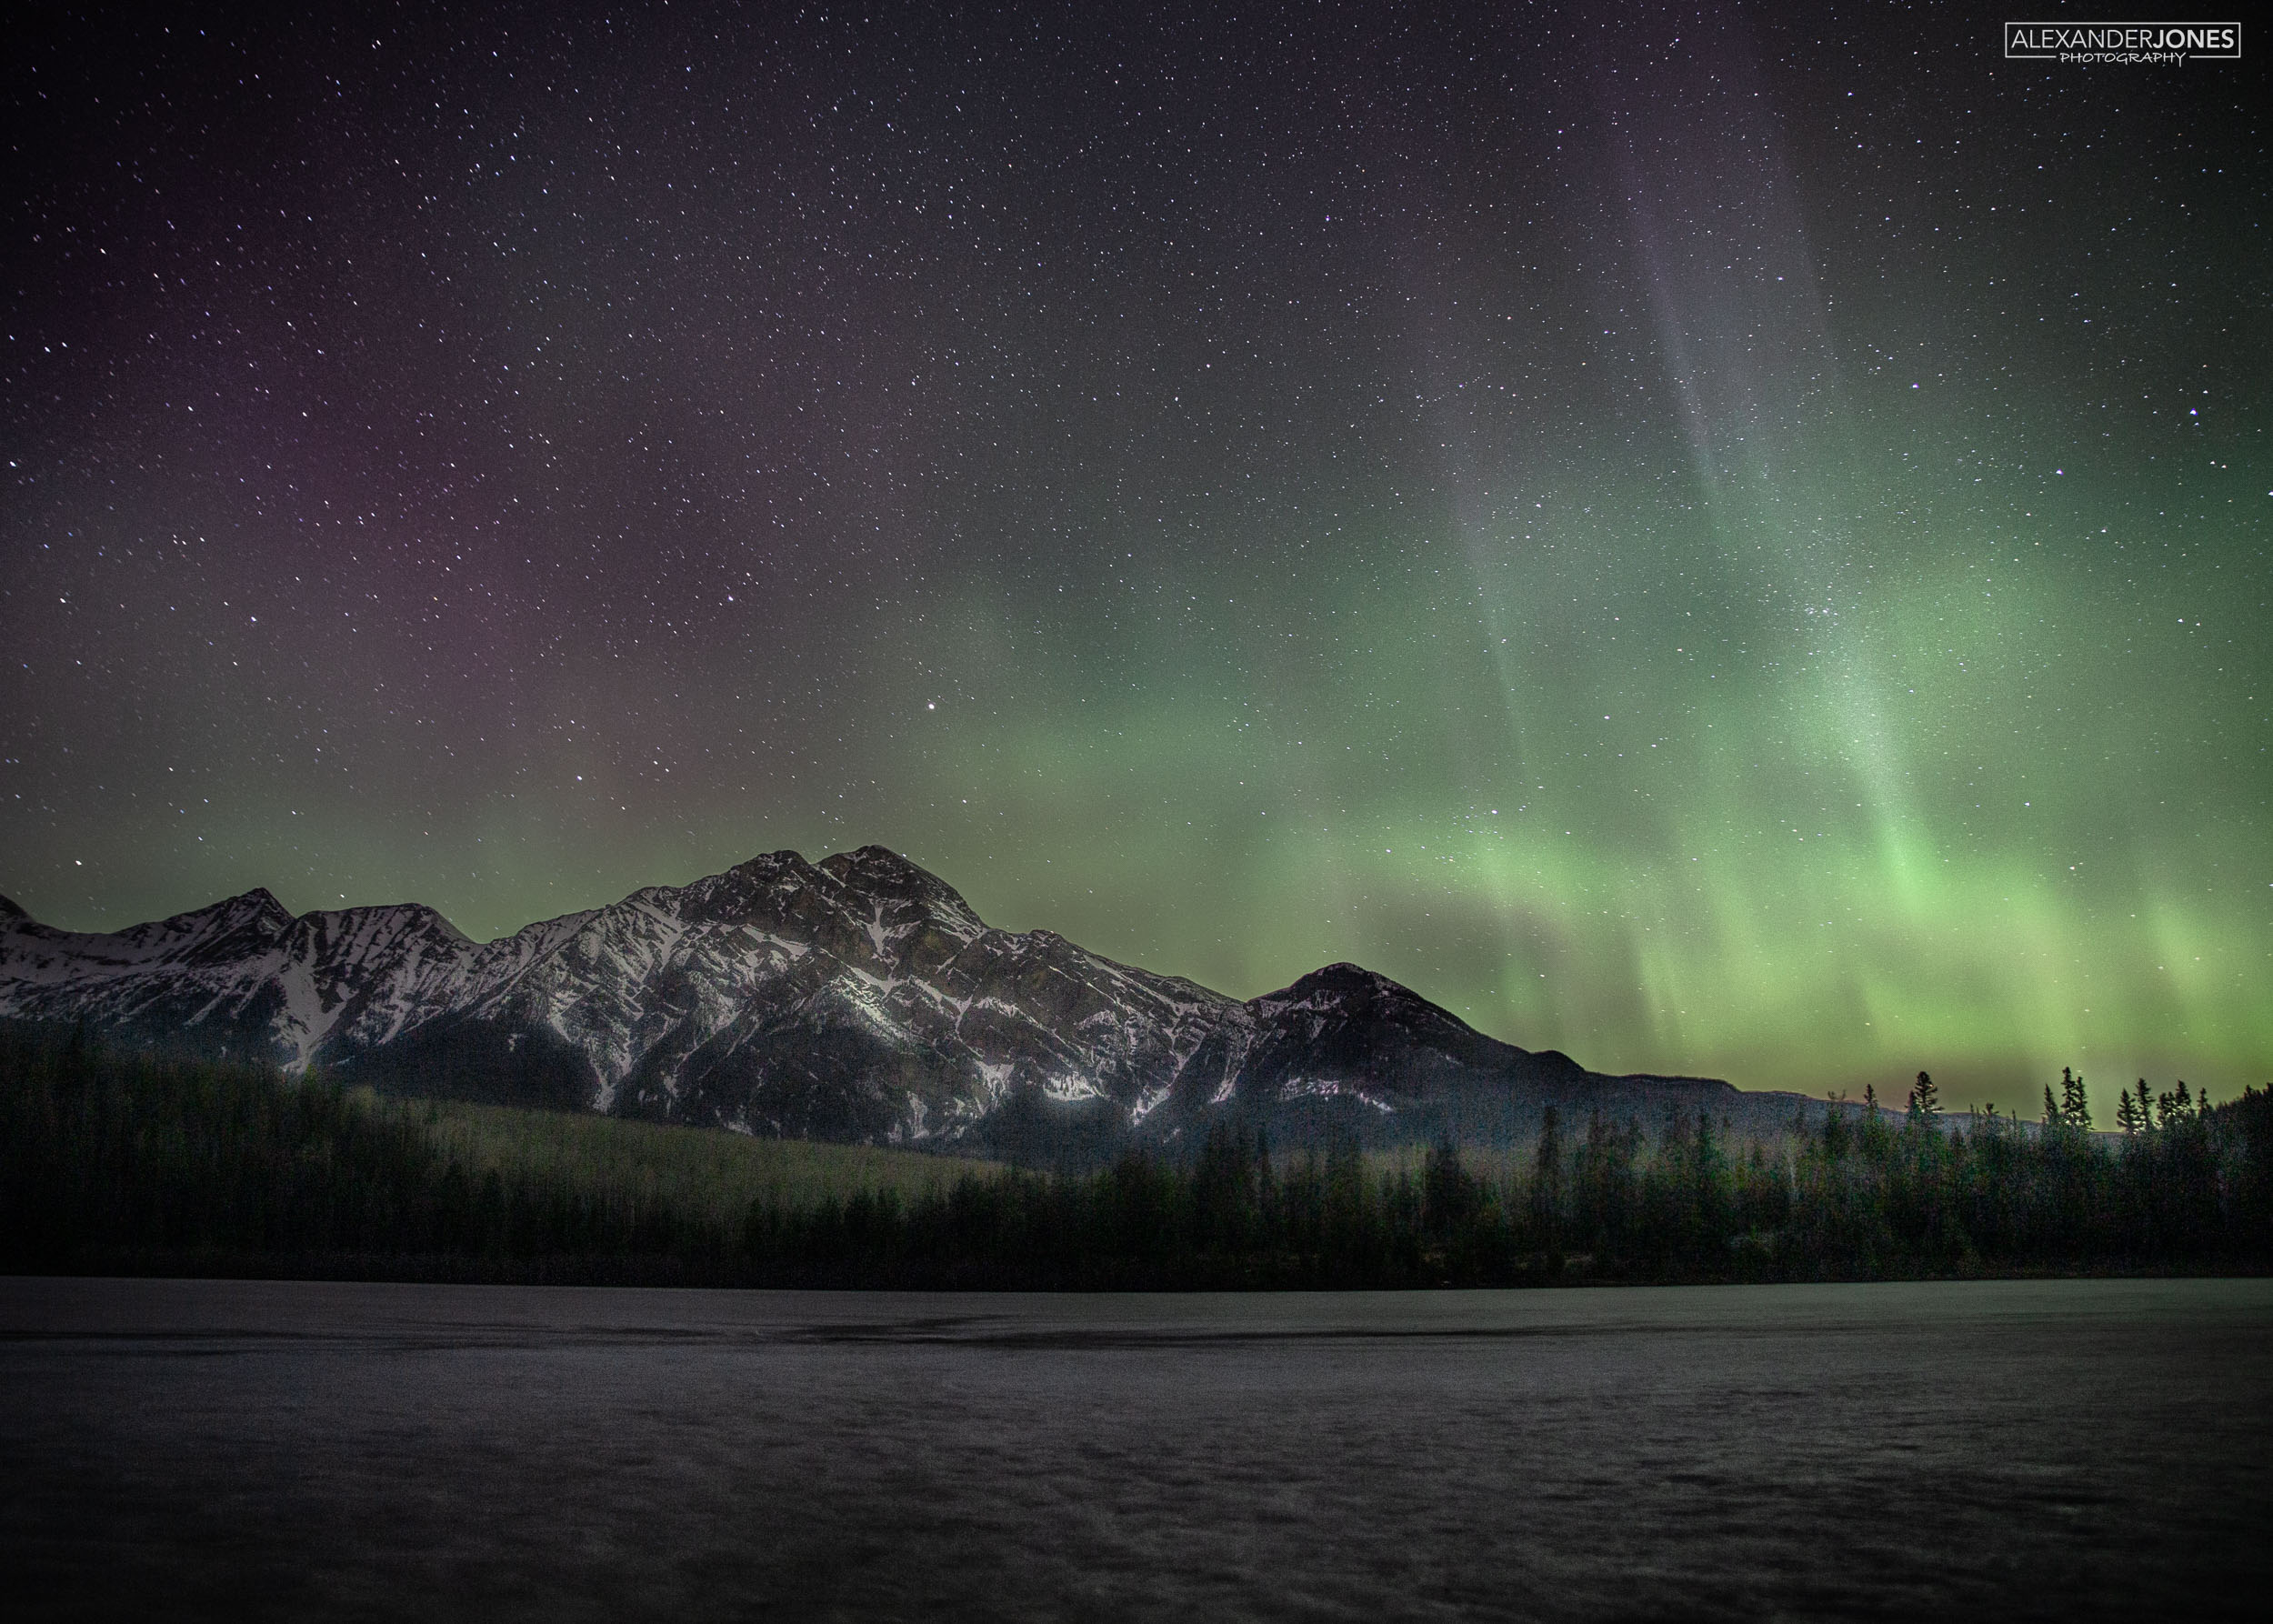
x: 2056, y: 1449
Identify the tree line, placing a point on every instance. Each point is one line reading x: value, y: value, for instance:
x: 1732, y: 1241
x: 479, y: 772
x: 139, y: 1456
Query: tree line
x: 136, y: 1162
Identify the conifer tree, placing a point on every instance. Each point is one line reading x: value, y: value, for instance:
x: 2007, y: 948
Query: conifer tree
x: 1546, y: 1178
x: 1447, y: 1194
x: 1925, y: 1099
x: 2075, y: 1104
x: 1837, y: 1138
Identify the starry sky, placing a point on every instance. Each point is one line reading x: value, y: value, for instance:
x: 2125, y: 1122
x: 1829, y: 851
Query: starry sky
x: 1730, y: 541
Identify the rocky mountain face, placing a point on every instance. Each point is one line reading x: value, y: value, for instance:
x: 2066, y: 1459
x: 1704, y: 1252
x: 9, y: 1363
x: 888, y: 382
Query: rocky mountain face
x: 856, y: 999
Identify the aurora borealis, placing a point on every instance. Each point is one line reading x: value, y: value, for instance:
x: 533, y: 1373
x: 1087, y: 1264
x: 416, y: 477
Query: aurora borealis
x: 1731, y: 542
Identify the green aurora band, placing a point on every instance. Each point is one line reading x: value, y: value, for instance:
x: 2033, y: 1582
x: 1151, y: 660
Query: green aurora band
x: 1580, y: 764
x: 1993, y: 816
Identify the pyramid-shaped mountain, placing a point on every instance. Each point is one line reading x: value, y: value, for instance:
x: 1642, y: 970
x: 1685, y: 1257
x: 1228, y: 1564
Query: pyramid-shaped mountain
x: 858, y: 999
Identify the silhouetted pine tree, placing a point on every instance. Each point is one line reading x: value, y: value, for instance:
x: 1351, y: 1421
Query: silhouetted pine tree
x: 1547, y: 1191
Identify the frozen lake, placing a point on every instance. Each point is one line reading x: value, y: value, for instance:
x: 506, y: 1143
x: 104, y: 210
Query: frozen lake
x: 2052, y: 1449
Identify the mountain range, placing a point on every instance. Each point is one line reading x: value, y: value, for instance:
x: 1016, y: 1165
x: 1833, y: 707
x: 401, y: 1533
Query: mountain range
x: 856, y: 999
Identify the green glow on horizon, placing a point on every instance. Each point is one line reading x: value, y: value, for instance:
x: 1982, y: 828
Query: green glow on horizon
x: 1629, y: 815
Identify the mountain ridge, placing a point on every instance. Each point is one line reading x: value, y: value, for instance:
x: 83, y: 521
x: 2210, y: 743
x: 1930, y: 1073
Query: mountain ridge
x: 859, y: 998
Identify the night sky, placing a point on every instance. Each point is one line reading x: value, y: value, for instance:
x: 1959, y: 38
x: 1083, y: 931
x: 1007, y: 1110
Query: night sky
x: 1718, y: 541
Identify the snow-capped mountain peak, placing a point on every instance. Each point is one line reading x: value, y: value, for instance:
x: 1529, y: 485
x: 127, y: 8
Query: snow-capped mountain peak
x: 858, y: 999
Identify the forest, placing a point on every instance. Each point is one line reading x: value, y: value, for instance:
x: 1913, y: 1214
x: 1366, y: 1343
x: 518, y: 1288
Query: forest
x: 114, y: 1162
